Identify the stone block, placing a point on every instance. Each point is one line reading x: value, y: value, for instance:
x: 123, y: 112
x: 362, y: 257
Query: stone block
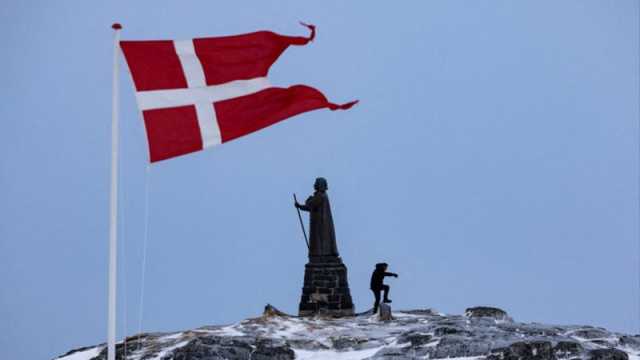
x: 307, y: 306
x: 385, y: 312
x: 307, y: 290
x: 319, y: 298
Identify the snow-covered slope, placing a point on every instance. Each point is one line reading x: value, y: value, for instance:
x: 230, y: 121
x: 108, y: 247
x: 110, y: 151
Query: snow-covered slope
x: 482, y: 333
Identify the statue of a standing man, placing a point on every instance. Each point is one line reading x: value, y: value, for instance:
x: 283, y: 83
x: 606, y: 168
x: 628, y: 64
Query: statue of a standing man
x: 322, y: 236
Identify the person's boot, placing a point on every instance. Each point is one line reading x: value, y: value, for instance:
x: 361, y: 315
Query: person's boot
x: 386, y: 301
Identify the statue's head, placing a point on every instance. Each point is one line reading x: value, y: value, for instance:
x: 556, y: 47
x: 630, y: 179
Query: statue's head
x: 382, y: 266
x: 321, y: 184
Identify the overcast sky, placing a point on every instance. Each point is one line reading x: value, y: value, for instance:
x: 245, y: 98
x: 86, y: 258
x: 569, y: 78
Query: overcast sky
x: 492, y: 160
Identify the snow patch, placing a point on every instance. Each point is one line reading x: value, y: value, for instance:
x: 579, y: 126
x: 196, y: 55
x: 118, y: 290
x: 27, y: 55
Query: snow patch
x: 633, y: 355
x: 289, y: 330
x: 227, y: 331
x: 610, y: 340
x: 171, y: 337
x: 83, y: 355
x: 336, y: 355
x: 402, y: 315
x: 168, y: 350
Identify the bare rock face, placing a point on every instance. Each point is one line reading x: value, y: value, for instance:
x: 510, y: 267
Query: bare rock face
x: 488, y: 312
x: 608, y: 354
x: 270, y: 310
x: 567, y: 349
x: 414, y: 339
x: 632, y: 342
x: 483, y: 333
x: 523, y: 350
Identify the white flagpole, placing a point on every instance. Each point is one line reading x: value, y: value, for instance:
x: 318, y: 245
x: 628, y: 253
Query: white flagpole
x: 113, y: 200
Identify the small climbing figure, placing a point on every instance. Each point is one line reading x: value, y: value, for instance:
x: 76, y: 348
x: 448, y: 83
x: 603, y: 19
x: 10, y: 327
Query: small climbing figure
x: 377, y: 284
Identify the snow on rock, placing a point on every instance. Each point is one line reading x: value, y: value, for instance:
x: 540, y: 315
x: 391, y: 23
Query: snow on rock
x: 82, y: 354
x: 483, y: 333
x: 336, y: 355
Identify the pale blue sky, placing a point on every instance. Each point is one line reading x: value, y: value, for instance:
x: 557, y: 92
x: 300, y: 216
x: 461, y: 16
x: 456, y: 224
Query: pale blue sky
x: 492, y: 160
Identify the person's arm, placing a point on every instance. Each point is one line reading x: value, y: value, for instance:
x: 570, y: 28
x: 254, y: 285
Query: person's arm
x: 390, y: 274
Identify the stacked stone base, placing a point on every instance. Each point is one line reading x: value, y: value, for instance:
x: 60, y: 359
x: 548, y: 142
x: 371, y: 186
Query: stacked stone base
x: 326, y: 289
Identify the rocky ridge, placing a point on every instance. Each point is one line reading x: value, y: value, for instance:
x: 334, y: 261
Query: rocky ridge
x: 482, y: 333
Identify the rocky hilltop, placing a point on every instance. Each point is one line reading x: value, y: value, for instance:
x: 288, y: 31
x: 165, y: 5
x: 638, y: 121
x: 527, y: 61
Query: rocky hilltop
x: 481, y: 333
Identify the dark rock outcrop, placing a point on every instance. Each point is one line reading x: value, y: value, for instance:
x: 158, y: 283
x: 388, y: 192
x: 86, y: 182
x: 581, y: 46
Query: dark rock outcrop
x: 415, y: 338
x: 486, y: 311
x: 567, y: 349
x: 608, y: 354
x: 629, y: 341
x: 270, y: 310
x: 523, y: 350
x: 458, y: 346
x: 267, y: 349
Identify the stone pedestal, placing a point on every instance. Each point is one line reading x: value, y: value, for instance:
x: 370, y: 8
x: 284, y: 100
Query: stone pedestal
x: 326, y: 289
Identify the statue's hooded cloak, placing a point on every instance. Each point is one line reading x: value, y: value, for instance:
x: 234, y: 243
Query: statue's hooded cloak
x: 322, y: 236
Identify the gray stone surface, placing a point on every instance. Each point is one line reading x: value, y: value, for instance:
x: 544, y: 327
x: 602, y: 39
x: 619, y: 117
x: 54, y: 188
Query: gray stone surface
x: 567, y: 349
x: 413, y: 334
x: 525, y: 350
x: 608, y: 354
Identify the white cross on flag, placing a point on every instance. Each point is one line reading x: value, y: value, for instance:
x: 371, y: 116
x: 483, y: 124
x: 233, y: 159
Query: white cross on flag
x: 206, y: 91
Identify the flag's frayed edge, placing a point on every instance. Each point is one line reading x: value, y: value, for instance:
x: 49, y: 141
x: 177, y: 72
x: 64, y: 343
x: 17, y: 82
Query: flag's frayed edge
x: 345, y: 106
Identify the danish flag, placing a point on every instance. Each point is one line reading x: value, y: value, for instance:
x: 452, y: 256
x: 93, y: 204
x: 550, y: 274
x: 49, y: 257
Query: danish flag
x: 203, y: 92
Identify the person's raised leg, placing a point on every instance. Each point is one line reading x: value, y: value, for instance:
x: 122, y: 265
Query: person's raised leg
x: 386, y: 293
x: 376, y: 303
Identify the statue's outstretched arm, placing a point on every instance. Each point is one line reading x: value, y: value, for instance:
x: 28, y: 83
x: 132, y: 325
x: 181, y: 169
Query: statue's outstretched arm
x: 312, y: 203
x: 302, y: 207
x: 308, y: 205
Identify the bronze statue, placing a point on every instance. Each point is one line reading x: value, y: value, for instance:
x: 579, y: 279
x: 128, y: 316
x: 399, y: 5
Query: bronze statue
x: 322, y: 236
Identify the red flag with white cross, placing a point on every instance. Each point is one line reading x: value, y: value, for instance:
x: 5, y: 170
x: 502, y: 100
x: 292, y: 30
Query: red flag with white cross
x: 203, y: 92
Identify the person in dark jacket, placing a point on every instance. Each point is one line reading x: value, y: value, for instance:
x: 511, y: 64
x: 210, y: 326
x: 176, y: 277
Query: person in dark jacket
x: 377, y: 284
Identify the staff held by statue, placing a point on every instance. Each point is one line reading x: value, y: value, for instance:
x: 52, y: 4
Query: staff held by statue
x: 304, y: 232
